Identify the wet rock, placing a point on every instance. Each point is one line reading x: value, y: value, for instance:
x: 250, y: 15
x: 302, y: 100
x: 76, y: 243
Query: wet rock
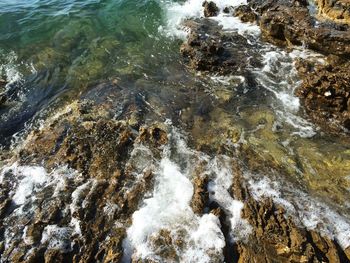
x: 154, y: 134
x: 2, y: 83
x: 210, y: 49
x: 55, y: 255
x: 210, y: 9
x: 337, y: 10
x: 33, y: 233
x: 4, y: 206
x: 325, y: 93
x: 276, y: 237
x: 111, y: 250
x: 290, y: 23
x: 245, y: 13
x: 3, y: 96
x: 200, y: 196
x: 165, y: 248
x: 84, y: 145
x: 86, y: 214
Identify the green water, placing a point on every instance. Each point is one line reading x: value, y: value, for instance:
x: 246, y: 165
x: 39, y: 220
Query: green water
x: 61, y: 49
x: 79, y: 42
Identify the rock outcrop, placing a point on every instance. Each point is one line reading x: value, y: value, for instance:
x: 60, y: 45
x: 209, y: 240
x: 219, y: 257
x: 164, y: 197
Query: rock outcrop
x: 209, y: 49
x: 276, y: 236
x: 337, y: 10
x: 210, y: 9
x: 325, y: 93
x: 84, y: 219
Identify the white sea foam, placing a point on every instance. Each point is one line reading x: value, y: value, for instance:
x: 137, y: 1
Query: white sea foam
x: 29, y: 182
x: 177, y: 13
x: 209, y: 238
x: 280, y: 77
x: 219, y: 189
x: 9, y: 67
x: 77, y: 202
x: 29, y: 179
x: 169, y: 208
x: 231, y: 23
x: 227, y: 80
x: 57, y: 238
x: 311, y: 213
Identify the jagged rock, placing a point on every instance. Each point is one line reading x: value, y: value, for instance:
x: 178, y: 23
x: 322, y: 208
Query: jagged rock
x: 210, y: 9
x: 276, y: 237
x: 3, y: 96
x: 200, y: 196
x: 325, y: 93
x: 85, y: 138
x: 290, y: 23
x: 210, y: 49
x: 33, y: 233
x: 337, y: 10
x: 245, y: 13
x: 165, y: 248
x: 153, y: 134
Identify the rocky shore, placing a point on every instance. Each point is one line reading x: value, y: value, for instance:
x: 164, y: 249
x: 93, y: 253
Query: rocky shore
x: 337, y: 10
x: 324, y: 91
x: 73, y: 188
x: 108, y: 186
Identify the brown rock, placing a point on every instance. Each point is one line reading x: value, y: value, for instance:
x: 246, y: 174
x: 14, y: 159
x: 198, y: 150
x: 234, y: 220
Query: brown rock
x: 209, y: 49
x: 245, y: 13
x: 293, y: 25
x: 210, y: 9
x: 325, y: 93
x: 163, y: 243
x: 200, y: 196
x: 337, y: 10
x: 33, y: 233
x: 276, y: 238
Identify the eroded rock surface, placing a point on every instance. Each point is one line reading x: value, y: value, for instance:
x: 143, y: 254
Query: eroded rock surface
x: 210, y: 49
x: 80, y: 214
x: 326, y: 93
x: 338, y: 10
x: 210, y: 9
x: 277, y: 237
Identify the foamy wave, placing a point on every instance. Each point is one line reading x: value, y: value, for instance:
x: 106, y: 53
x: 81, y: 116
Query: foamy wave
x: 26, y: 183
x: 177, y: 13
x: 280, y: 77
x: 170, y: 208
x: 9, y: 67
x: 311, y: 213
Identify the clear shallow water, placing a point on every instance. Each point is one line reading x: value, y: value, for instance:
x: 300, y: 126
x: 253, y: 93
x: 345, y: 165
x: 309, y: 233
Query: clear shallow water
x: 51, y: 52
x: 62, y: 47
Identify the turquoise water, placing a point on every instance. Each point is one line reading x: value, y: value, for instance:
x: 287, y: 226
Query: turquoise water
x: 52, y: 52
x: 58, y: 49
x: 55, y: 51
